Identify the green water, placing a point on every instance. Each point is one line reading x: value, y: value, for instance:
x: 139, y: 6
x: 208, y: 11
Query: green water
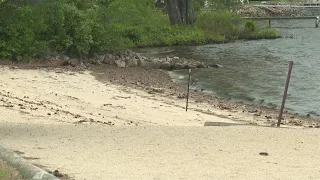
x: 255, y: 72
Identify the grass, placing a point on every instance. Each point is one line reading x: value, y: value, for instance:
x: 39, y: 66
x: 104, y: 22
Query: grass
x: 4, y: 174
x: 7, y: 173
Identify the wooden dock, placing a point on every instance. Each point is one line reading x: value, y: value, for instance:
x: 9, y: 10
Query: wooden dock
x: 316, y: 18
x: 288, y: 6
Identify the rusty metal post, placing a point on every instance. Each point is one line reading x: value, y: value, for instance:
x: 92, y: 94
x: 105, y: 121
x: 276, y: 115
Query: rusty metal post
x: 189, y: 79
x: 285, y: 94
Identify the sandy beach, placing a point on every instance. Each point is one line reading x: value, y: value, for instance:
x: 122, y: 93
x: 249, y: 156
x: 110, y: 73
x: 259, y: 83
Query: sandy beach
x: 130, y: 123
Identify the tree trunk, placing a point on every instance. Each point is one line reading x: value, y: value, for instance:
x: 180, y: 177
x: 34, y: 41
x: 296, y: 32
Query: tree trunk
x: 180, y: 11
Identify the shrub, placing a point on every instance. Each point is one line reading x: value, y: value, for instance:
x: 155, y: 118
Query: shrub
x: 218, y: 26
x: 85, y: 27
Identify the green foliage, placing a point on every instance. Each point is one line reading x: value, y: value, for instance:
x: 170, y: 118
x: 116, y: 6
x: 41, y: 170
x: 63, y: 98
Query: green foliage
x: 87, y: 27
x: 250, y: 26
x: 218, y: 26
x: 221, y: 27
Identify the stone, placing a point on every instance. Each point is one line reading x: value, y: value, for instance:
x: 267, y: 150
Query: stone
x: 130, y: 54
x: 132, y: 62
x: 65, y: 57
x: 92, y: 61
x: 73, y: 62
x: 166, y: 66
x: 158, y: 90
x: 176, y: 58
x: 120, y: 63
x: 109, y: 59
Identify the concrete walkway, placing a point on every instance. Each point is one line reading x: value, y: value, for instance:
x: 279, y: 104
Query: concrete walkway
x: 96, y: 152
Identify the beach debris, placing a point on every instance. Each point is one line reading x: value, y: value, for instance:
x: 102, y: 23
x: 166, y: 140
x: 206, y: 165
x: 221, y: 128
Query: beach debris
x: 158, y: 90
x: 253, y: 111
x: 263, y: 154
x: 268, y: 117
x: 56, y: 173
x: 123, y: 97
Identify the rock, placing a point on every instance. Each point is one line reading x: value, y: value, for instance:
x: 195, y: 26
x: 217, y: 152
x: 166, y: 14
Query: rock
x: 65, y: 58
x: 56, y: 173
x: 132, y: 62
x: 73, y: 62
x: 264, y: 154
x: 92, y: 61
x: 182, y: 96
x: 109, y: 59
x: 140, y: 62
x: 166, y: 66
x: 138, y: 56
x: 100, y: 59
x: 268, y: 117
x: 178, y: 66
x: 215, y: 66
x: 130, y: 54
x: 175, y: 58
x: 200, y: 65
x: 120, y: 63
x: 158, y: 90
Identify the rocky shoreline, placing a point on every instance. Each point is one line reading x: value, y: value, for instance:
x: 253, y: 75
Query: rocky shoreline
x: 129, y: 58
x: 151, y: 75
x: 277, y: 10
x: 156, y: 81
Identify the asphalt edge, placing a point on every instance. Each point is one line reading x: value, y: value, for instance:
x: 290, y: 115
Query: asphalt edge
x: 26, y: 169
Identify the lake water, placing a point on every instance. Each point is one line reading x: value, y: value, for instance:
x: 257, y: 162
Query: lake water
x: 255, y: 72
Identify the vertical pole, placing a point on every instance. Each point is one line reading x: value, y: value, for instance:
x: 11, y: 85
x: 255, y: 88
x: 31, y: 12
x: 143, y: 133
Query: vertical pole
x: 269, y: 23
x: 285, y: 94
x: 189, y: 79
x: 317, y: 21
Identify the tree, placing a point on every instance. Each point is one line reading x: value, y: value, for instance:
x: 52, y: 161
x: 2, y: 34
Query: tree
x: 180, y: 11
x: 183, y: 12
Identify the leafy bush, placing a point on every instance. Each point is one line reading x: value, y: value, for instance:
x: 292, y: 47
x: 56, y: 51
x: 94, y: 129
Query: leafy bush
x: 85, y: 27
x: 218, y: 24
x: 250, y: 26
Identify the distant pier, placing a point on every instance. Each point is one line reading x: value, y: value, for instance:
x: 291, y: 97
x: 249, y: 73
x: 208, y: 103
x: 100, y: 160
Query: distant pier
x: 316, y: 18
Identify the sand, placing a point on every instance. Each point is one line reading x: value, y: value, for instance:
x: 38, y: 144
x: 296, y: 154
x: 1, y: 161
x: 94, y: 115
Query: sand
x: 90, y: 129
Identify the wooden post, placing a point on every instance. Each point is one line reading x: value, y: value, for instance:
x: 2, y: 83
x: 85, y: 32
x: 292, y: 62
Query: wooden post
x: 269, y: 23
x: 189, y: 79
x: 285, y: 94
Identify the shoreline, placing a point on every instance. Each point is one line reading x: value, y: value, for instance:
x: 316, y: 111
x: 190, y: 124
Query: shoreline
x: 159, y: 83
x: 254, y: 114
